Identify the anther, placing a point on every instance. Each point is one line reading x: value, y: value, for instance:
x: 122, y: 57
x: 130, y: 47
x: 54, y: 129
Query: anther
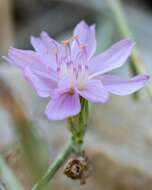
x: 83, y: 46
x: 66, y: 42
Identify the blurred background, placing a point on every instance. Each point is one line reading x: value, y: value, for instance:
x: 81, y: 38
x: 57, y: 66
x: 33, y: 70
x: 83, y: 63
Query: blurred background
x: 119, y: 139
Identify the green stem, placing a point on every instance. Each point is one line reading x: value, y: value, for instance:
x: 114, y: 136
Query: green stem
x: 8, y: 176
x: 78, y: 125
x: 54, y: 167
x: 137, y: 66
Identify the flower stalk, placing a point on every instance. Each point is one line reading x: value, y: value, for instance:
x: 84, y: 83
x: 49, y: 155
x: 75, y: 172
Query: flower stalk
x: 54, y: 167
x: 77, y: 126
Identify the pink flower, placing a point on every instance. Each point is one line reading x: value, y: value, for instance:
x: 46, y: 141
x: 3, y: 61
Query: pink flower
x: 67, y: 71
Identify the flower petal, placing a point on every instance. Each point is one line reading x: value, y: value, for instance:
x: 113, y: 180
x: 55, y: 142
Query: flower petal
x: 49, y: 42
x: 41, y: 82
x: 94, y: 92
x: 63, y: 86
x: 111, y: 59
x: 45, y: 47
x: 63, y: 106
x: 122, y: 87
x: 86, y: 36
x: 39, y: 75
x: 24, y: 58
x: 38, y: 45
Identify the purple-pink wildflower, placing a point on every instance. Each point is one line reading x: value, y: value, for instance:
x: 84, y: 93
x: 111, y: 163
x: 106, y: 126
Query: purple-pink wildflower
x: 67, y: 71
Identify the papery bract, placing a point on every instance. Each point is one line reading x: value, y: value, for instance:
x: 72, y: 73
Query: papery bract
x: 67, y: 71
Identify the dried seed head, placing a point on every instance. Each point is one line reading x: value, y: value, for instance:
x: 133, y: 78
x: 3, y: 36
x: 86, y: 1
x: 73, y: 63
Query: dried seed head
x: 78, y: 168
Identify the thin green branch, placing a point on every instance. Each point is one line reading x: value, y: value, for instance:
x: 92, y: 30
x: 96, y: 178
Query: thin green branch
x: 55, y: 166
x: 8, y: 176
x: 137, y: 66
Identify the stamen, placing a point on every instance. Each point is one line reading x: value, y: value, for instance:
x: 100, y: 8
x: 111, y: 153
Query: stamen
x: 83, y: 49
x: 79, y: 67
x: 64, y: 60
x: 75, y: 67
x: 77, y: 39
x: 69, y: 63
x: 74, y: 70
x: 86, y: 67
x: 57, y: 58
x: 66, y: 42
x: 67, y: 47
x: 83, y: 46
x: 58, y: 70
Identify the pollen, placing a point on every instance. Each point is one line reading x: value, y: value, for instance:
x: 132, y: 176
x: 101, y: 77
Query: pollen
x: 66, y: 42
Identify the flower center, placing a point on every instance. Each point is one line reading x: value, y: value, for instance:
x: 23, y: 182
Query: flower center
x: 71, y: 91
x: 72, y: 62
